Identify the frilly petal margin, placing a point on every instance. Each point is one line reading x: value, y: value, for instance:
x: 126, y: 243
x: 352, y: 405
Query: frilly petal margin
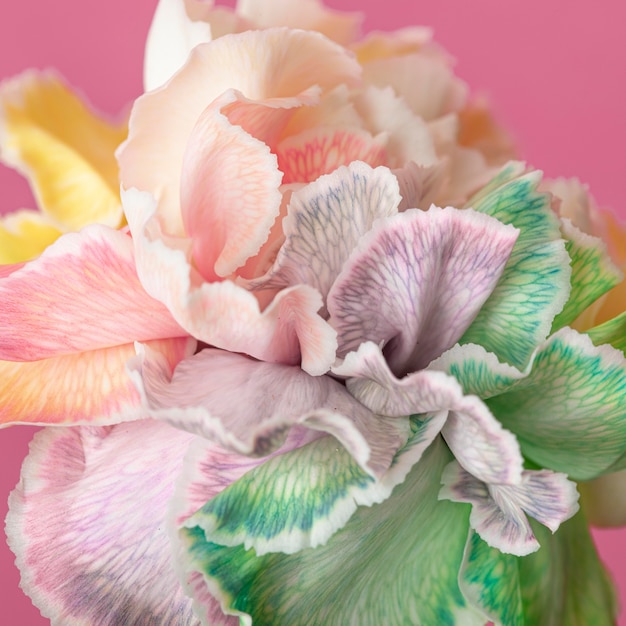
x: 249, y: 406
x: 476, y: 438
x: 498, y: 511
x: 390, y: 562
x: 91, y: 388
x: 223, y: 314
x: 300, y: 497
x: 81, y: 294
x: 88, y: 555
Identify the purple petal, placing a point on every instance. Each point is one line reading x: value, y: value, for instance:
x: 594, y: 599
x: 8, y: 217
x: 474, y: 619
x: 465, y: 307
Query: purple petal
x: 87, y: 523
x: 416, y: 282
x: 498, y: 511
x: 248, y: 406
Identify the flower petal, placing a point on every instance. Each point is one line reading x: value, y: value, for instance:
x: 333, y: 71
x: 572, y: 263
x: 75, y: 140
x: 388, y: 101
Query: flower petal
x: 248, y: 406
x: 81, y: 294
x: 567, y: 567
x: 300, y: 498
x: 66, y: 151
x: 416, y: 282
x: 476, y: 438
x: 172, y: 36
x: 489, y: 580
x: 569, y: 412
x: 224, y: 314
x: 85, y: 388
x: 535, y: 284
x: 612, y: 332
x: 308, y: 155
x: 152, y: 157
x: 325, y: 221
x: 87, y: 553
x: 498, y: 510
x: 25, y: 235
x: 359, y: 565
x: 593, y: 273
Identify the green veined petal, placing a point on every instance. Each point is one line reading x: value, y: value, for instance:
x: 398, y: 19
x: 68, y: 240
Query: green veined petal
x: 612, y: 332
x: 535, y: 284
x: 593, y: 273
x: 394, y: 563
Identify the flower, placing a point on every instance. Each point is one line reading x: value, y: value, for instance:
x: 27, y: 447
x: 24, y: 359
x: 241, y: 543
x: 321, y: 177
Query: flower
x: 361, y: 395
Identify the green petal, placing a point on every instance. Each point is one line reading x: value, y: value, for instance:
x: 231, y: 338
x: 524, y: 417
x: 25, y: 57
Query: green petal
x: 489, y: 581
x: 612, y: 332
x: 564, y: 582
x: 394, y: 563
x: 299, y: 499
x: 535, y: 284
x: 569, y: 413
x: 593, y: 273
x: 477, y: 371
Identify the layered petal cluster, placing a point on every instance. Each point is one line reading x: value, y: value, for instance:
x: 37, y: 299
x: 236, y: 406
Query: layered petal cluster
x: 334, y: 372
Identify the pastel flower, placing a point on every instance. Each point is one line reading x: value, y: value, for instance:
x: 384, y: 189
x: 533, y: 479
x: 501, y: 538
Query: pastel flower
x: 329, y: 375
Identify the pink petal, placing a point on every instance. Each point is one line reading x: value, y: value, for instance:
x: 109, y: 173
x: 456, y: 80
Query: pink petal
x: 248, y: 406
x: 87, y: 523
x: 85, y: 388
x: 223, y: 314
x: 81, y: 294
x: 417, y: 281
x: 476, y: 438
x: 498, y: 511
x: 287, y: 63
x: 309, y: 155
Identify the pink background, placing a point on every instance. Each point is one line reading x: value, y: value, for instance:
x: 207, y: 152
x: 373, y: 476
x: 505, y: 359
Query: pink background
x: 555, y: 71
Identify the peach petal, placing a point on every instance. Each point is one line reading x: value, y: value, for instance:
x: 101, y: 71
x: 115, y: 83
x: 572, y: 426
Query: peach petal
x: 85, y: 388
x: 82, y: 293
x: 287, y: 63
x: 313, y: 153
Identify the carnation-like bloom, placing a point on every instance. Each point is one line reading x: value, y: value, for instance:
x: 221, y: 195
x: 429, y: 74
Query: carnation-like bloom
x: 364, y: 353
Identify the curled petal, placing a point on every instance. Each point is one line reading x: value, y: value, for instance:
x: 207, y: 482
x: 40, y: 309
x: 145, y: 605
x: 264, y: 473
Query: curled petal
x: 81, y: 294
x: 416, y: 282
x: 87, y: 554
x: 499, y: 511
x: 476, y: 438
x: 65, y: 150
x: 248, y: 406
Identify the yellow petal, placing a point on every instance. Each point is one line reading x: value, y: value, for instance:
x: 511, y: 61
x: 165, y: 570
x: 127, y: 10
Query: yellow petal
x: 25, y: 235
x: 67, y: 152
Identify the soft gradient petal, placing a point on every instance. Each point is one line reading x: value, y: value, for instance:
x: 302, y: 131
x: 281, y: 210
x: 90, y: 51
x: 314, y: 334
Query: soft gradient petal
x: 87, y: 553
x: 498, y: 511
x: 535, y: 284
x: 475, y: 437
x: 298, y: 499
x: 248, y: 406
x: 224, y: 314
x: 82, y: 293
x: 25, y: 235
x: 65, y: 150
x: 84, y: 388
x: 416, y: 282
x: 286, y: 64
x: 569, y: 413
x: 358, y: 574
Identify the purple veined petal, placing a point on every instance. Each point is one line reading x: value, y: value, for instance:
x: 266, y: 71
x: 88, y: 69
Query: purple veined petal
x: 325, y: 221
x: 87, y: 524
x: 416, y: 281
x: 248, y: 406
x: 499, y: 511
x: 476, y: 438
